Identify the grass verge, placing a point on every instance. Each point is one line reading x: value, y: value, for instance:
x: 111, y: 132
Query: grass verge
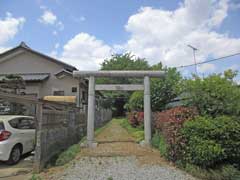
x: 137, y: 133
x: 68, y: 155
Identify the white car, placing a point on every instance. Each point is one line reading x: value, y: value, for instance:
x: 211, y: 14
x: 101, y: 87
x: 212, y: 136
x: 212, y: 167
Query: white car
x: 17, y: 137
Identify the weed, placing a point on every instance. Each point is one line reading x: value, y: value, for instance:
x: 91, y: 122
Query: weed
x: 35, y: 177
x: 68, y: 155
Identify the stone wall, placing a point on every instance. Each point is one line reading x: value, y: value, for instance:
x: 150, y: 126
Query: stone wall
x: 102, y: 117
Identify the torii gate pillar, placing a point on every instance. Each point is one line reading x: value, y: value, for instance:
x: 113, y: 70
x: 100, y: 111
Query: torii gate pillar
x: 147, y: 111
x: 91, y: 111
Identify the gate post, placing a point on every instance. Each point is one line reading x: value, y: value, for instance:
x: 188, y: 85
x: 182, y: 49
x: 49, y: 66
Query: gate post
x: 38, y: 158
x: 91, y: 111
x: 147, y: 111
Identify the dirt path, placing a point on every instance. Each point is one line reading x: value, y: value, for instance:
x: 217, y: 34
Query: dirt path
x: 116, y: 141
x: 117, y: 156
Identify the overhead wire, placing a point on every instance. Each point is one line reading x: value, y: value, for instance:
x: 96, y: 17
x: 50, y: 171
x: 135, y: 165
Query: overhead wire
x: 203, y: 62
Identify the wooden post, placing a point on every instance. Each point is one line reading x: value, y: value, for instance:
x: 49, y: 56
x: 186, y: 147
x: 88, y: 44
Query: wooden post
x: 38, y: 166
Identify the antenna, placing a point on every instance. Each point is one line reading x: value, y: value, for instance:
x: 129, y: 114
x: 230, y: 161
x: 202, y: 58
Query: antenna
x: 194, y: 50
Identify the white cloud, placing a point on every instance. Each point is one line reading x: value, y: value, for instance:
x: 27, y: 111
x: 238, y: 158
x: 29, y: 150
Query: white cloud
x: 56, y: 46
x: 161, y: 35
x: 85, y: 52
x: 9, y: 27
x: 48, y: 17
x: 206, y: 68
x: 3, y: 49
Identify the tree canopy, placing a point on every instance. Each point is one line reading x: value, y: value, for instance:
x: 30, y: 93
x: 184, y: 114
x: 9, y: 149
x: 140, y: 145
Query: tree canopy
x: 163, y: 90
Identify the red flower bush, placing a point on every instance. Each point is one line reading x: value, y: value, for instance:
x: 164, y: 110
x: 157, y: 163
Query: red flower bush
x: 136, y: 118
x: 169, y: 123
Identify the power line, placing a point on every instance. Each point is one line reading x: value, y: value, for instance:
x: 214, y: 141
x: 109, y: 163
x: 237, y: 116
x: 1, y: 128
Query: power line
x: 216, y: 59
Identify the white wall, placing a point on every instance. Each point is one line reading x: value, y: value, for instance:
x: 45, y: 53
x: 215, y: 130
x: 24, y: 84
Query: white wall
x: 31, y: 63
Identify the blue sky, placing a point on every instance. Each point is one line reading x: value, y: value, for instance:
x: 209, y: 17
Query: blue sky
x: 83, y: 33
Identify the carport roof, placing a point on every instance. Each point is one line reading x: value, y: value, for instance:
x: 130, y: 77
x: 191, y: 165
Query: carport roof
x: 29, y: 76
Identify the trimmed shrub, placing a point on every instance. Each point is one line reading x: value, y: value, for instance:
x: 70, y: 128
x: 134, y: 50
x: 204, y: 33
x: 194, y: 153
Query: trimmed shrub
x: 136, y: 119
x: 211, y: 141
x: 169, y: 123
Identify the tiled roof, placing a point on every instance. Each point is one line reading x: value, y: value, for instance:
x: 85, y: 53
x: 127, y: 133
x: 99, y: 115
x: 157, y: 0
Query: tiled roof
x: 27, y: 48
x: 30, y: 76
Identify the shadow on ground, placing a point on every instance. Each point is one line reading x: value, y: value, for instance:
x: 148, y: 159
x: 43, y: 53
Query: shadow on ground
x: 20, y: 171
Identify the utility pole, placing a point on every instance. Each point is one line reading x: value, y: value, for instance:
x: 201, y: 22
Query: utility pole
x: 194, y: 57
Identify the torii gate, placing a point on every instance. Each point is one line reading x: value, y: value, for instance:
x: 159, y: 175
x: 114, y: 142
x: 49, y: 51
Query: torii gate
x: 118, y: 87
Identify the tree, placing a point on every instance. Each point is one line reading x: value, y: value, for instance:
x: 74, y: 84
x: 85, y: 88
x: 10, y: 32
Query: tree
x: 214, y: 95
x: 13, y: 84
x: 121, y: 62
x: 163, y: 90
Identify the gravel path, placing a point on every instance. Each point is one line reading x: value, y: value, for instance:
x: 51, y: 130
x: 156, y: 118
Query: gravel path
x: 119, y: 168
x: 118, y: 160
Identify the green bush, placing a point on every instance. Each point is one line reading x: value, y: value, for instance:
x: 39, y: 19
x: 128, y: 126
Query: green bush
x: 68, y: 155
x: 211, y: 141
x: 135, y: 102
x: 214, y: 95
x: 202, y: 152
x: 226, y: 172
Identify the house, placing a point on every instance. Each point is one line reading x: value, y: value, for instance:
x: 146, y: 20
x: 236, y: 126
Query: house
x: 43, y: 75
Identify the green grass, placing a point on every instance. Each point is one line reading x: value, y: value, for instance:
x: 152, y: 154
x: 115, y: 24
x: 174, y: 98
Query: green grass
x: 159, y: 142
x: 137, y: 133
x: 68, y: 155
x: 35, y: 177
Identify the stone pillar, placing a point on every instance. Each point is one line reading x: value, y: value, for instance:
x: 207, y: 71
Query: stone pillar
x: 91, y: 111
x: 147, y: 111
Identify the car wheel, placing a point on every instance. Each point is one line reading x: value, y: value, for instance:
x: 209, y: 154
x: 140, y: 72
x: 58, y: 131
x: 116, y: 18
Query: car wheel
x: 15, y: 155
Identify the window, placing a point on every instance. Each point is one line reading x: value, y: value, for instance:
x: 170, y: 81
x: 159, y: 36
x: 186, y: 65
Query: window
x: 1, y: 126
x: 74, y: 89
x: 58, y: 93
x: 22, y: 123
x: 14, y: 123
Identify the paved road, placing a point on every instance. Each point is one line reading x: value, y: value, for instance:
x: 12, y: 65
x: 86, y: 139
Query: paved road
x: 117, y: 157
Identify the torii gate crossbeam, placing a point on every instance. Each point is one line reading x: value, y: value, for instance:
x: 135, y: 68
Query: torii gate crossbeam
x: 119, y: 87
